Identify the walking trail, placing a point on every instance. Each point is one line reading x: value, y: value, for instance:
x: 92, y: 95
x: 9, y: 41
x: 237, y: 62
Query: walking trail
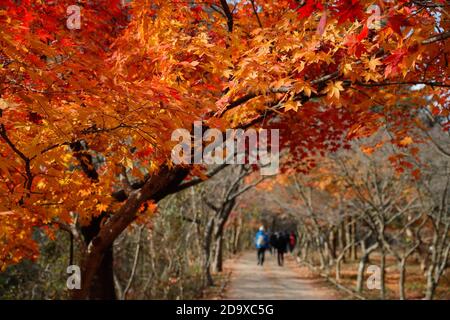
x: 290, y: 282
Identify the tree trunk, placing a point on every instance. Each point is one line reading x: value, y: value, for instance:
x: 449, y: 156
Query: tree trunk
x: 207, y: 253
x: 360, y: 276
x: 306, y: 251
x: 329, y: 259
x: 383, y: 275
x: 431, y: 283
x: 348, y: 237
x: 97, y: 263
x: 338, y: 270
x: 332, y: 242
x: 439, y: 261
x: 354, y: 255
x: 218, y: 261
x: 232, y: 239
x: 238, y: 236
x: 431, y: 287
x: 221, y: 219
x: 401, y: 280
x: 321, y: 255
x: 339, y: 259
x: 103, y: 280
x: 341, y: 238
x: 365, y: 253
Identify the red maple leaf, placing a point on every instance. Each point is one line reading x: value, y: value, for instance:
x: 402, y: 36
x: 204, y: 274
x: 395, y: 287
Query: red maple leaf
x: 363, y: 34
x: 393, y: 61
x: 348, y: 10
x: 396, y: 21
x: 144, y: 152
x: 354, y: 45
x: 308, y: 8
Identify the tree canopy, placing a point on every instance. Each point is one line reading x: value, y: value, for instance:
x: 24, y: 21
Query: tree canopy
x: 79, y: 107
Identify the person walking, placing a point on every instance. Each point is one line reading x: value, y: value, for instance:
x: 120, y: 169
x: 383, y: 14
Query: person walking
x: 261, y: 243
x: 282, y: 242
x: 273, y: 242
x: 292, y: 241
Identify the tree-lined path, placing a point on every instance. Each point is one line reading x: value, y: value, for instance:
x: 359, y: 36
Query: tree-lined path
x: 249, y: 281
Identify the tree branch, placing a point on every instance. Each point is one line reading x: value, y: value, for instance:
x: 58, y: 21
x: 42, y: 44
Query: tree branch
x: 229, y: 15
x: 256, y: 13
x: 196, y: 181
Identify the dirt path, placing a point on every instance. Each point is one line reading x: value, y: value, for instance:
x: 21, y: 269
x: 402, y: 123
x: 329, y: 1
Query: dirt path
x: 290, y: 282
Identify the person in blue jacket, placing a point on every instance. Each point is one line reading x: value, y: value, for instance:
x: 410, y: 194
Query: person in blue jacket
x: 261, y: 243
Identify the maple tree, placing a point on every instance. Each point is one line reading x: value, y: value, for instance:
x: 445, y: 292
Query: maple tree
x: 87, y: 115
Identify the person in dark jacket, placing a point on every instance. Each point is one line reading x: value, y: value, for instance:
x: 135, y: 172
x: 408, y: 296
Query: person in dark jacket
x: 282, y: 243
x: 273, y: 242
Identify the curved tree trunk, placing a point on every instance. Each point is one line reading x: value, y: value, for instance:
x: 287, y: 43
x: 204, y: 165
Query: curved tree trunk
x: 103, y: 279
x: 340, y: 258
x: 365, y: 253
x: 360, y: 276
x: 218, y: 261
x: 222, y: 219
x: 94, y: 267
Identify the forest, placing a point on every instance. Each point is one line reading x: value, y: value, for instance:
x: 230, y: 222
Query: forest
x: 144, y: 143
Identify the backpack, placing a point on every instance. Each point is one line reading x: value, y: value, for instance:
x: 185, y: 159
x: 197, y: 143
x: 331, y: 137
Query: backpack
x: 260, y: 241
